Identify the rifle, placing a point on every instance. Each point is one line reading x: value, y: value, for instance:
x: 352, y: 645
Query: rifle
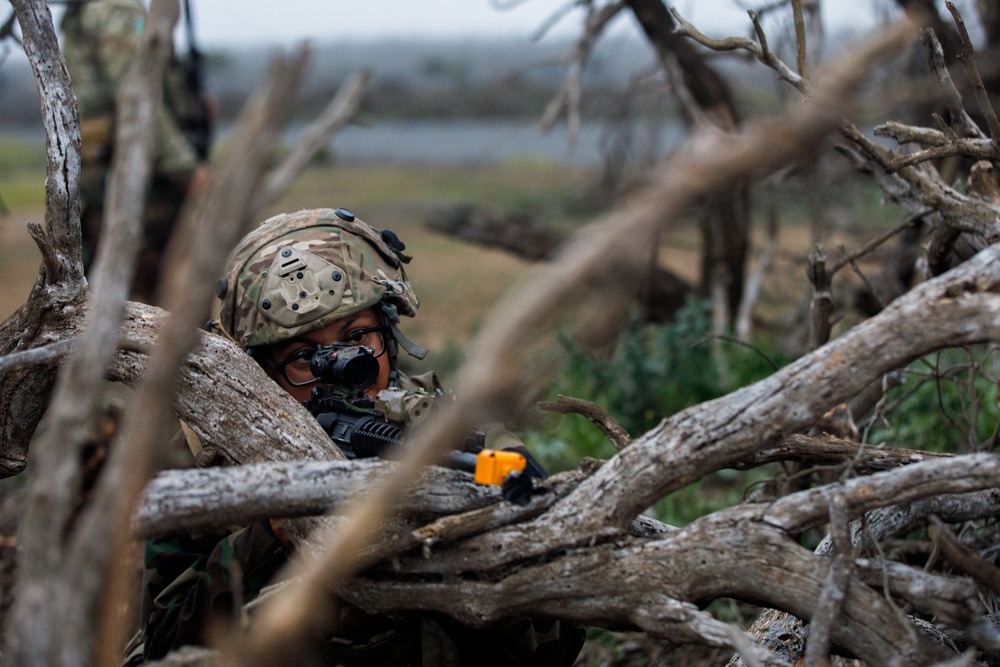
x: 190, y: 106
x: 363, y: 427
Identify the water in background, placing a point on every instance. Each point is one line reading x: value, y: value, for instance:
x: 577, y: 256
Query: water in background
x: 475, y: 142
x: 462, y: 142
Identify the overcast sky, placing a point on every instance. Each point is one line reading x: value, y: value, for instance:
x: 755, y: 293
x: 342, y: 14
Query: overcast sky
x: 244, y: 22
x: 268, y: 22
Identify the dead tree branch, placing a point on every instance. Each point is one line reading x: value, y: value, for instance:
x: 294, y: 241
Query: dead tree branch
x: 962, y: 557
x: 600, y: 417
x: 800, y: 41
x: 338, y: 113
x: 831, y: 599
x: 967, y: 57
x: 759, y: 50
x: 197, y: 500
x: 61, y: 634
x: 821, y: 309
x: 569, y: 96
x: 45, y: 354
x: 194, y: 258
x: 953, y: 99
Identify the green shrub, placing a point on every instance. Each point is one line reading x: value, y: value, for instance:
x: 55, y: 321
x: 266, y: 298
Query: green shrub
x: 946, y: 403
x: 653, y: 372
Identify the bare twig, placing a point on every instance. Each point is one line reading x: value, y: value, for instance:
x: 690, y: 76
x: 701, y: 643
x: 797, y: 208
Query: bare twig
x: 600, y: 417
x: 952, y: 98
x: 973, y: 149
x: 876, y: 242
x: 755, y: 282
x: 45, y: 354
x: 557, y: 15
x: 920, y: 187
x: 831, y: 600
x: 967, y: 58
x: 61, y: 241
x: 569, y: 95
x: 822, y: 299
x: 50, y: 256
x: 690, y: 109
x: 905, y: 134
x: 961, y: 474
x: 828, y: 449
x: 453, y: 528
x: 800, y: 41
x: 340, y: 110
x: 759, y: 51
x: 869, y: 286
x: 193, y: 260
x: 916, y: 189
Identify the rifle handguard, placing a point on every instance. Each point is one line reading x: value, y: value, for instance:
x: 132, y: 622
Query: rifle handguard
x: 361, y: 432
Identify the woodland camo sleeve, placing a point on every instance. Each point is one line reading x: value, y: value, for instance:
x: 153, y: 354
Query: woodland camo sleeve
x: 188, y: 582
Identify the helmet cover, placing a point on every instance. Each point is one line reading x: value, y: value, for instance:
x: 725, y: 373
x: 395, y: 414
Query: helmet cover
x: 300, y: 271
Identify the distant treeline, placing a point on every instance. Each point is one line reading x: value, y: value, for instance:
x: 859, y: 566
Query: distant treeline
x: 422, y: 79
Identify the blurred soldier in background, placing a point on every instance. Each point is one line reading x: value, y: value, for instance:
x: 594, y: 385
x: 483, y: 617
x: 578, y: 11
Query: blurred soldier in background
x: 100, y: 40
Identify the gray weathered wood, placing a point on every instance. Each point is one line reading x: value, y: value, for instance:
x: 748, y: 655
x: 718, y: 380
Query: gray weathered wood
x: 57, y: 594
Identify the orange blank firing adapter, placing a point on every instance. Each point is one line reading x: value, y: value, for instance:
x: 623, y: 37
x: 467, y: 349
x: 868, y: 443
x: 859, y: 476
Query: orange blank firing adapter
x: 493, y: 465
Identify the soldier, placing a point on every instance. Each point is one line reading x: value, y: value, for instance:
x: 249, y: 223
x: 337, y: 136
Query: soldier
x: 295, y: 284
x: 100, y: 40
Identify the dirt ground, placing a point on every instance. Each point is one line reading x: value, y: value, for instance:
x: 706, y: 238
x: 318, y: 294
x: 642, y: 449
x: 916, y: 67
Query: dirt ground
x: 19, y: 258
x: 457, y: 282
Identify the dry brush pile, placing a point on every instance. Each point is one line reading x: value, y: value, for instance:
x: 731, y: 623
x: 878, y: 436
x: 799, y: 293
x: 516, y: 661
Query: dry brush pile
x: 401, y: 539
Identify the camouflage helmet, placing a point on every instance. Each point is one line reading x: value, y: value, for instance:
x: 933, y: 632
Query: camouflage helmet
x: 300, y: 271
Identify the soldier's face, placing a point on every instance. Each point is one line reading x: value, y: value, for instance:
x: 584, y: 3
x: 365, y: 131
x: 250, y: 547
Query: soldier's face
x: 353, y: 328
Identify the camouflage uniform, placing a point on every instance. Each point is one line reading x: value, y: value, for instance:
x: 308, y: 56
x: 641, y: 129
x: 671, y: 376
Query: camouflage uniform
x: 296, y: 273
x: 100, y: 40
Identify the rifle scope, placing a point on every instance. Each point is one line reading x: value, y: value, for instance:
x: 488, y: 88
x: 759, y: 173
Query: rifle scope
x: 348, y: 366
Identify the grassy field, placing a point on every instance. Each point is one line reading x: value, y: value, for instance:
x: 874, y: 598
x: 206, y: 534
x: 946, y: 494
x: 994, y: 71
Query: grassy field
x: 456, y: 281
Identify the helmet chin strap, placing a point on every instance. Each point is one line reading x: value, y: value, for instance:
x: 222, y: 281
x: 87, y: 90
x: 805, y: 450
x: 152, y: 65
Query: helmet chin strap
x: 398, y: 340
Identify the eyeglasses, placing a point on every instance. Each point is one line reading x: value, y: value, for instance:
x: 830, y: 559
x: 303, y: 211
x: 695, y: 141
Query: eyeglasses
x: 296, y: 370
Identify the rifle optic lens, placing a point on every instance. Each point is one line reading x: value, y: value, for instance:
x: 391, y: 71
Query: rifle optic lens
x: 350, y: 367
